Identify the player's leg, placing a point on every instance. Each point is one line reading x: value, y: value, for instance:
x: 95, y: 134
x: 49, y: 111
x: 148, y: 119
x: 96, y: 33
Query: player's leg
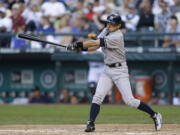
x: 124, y: 87
x: 104, y: 85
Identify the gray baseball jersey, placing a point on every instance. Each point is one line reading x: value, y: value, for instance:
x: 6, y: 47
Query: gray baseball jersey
x: 114, y: 50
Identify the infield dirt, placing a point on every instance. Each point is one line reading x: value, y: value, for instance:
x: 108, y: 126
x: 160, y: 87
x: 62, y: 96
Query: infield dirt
x: 101, y: 129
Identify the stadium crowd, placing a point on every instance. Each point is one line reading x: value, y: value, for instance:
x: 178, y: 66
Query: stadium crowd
x: 83, y: 16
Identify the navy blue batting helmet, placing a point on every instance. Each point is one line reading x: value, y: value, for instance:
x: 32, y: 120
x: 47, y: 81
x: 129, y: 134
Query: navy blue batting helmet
x: 114, y: 19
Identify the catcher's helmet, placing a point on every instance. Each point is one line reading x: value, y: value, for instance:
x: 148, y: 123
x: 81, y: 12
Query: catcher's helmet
x: 114, y: 19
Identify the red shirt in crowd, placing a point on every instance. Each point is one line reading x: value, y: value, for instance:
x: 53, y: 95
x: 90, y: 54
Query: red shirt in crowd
x: 90, y: 15
x: 18, y: 22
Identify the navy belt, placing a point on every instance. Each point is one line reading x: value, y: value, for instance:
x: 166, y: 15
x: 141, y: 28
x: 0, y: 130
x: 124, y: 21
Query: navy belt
x: 114, y: 65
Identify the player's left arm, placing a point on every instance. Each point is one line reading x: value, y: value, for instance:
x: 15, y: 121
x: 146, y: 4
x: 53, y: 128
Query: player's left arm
x: 91, y: 44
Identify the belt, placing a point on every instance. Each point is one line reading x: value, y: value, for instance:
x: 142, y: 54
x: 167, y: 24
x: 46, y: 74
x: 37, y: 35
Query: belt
x: 114, y: 65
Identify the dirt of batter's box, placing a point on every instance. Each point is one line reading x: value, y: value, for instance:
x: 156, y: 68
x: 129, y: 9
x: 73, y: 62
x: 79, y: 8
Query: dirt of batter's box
x: 101, y: 129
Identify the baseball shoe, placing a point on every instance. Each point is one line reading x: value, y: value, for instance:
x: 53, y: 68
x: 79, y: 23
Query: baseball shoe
x: 157, y: 121
x: 90, y: 126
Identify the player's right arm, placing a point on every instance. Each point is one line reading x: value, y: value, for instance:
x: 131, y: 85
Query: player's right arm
x: 95, y: 44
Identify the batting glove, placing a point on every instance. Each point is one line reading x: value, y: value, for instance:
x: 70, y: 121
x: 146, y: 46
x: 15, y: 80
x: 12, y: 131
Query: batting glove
x: 76, y: 47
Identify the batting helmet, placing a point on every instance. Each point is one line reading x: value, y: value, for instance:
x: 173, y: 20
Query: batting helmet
x: 114, y: 19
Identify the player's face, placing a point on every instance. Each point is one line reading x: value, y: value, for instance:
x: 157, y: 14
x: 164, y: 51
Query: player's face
x: 112, y: 27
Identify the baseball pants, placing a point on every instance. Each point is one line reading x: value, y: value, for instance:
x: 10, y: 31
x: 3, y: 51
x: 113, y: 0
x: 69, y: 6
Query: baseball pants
x: 120, y: 76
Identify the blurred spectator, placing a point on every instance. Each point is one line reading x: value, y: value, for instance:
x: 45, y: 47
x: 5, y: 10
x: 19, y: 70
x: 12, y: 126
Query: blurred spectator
x: 87, y: 26
x: 53, y: 9
x: 127, y: 2
x: 64, y: 27
x: 157, y: 8
x: 141, y: 4
x: 175, y: 9
x: 70, y: 4
x: 65, y: 96
x: 176, y: 100
x: 161, y: 20
x: 36, y: 2
x: 79, y: 9
x: 118, y: 7
x: 45, y: 26
x: 36, y: 97
x: 92, y: 86
x: 8, y: 11
x: 32, y: 16
x: 89, y: 15
x: 156, y: 100
x: 5, y: 27
x: 10, y: 3
x: 18, y: 20
x: 81, y: 97
x: 74, y: 100
x: 20, y: 101
x: 17, y: 42
x: 173, y: 27
x: 146, y: 17
x: 98, y: 7
x: 76, y: 26
x: 132, y: 18
x: 1, y: 102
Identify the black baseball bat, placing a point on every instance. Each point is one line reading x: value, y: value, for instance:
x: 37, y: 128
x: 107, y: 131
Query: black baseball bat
x: 33, y: 38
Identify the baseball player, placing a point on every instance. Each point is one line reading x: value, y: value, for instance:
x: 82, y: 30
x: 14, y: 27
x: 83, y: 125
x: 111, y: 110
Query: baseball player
x: 115, y: 71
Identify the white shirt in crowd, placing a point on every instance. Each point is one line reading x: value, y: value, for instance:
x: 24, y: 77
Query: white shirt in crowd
x: 131, y: 21
x: 29, y: 15
x: 99, y: 9
x: 53, y: 8
x: 157, y: 9
x: 7, y: 23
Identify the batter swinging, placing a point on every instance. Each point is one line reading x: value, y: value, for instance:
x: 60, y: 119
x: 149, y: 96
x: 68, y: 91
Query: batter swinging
x: 115, y: 71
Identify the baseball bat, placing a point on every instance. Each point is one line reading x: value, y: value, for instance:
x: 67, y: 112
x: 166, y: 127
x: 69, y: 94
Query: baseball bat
x: 33, y: 38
